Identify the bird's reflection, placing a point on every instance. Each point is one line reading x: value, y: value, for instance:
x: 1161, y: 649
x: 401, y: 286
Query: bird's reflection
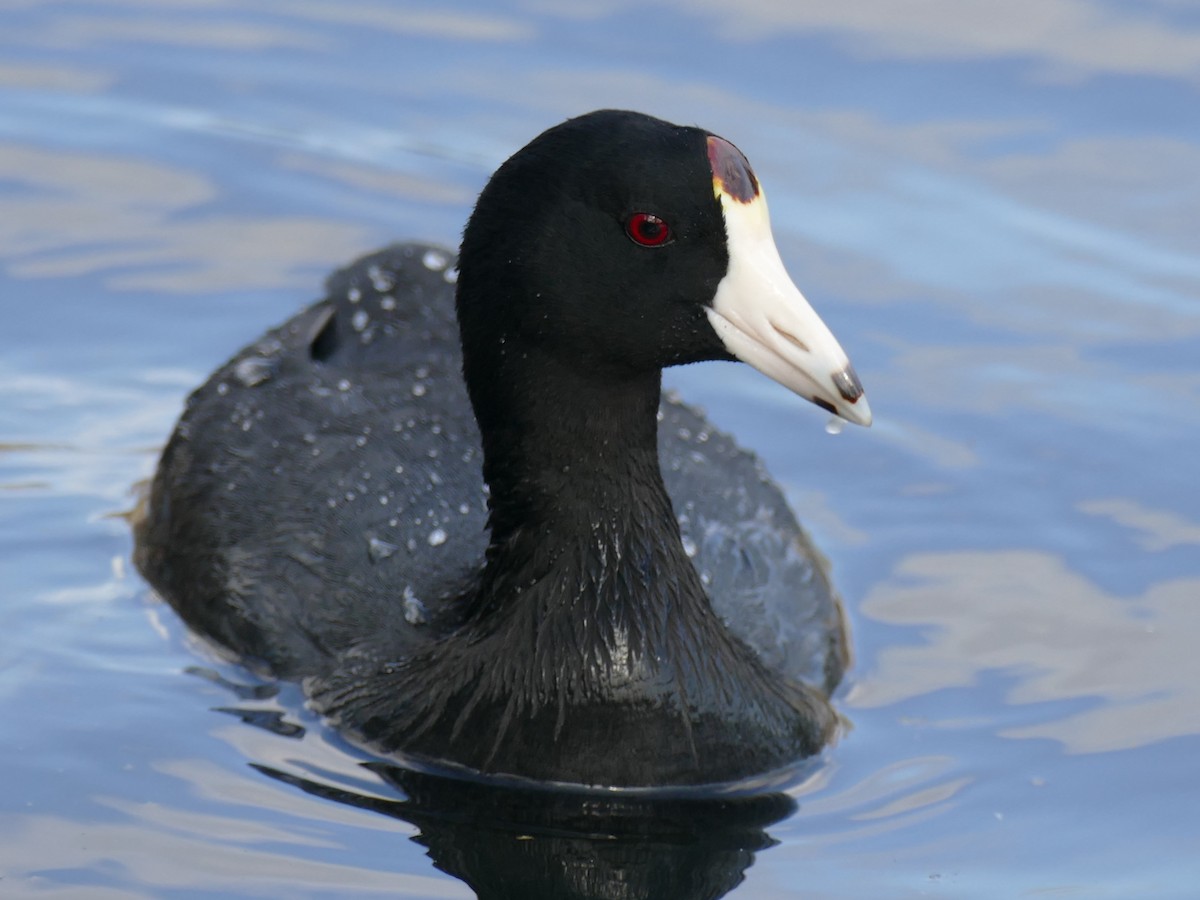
x: 511, y: 842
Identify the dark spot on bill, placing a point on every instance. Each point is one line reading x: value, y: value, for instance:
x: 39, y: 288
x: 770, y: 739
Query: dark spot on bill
x: 848, y: 384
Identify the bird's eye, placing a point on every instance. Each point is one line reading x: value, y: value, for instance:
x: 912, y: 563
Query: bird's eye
x: 648, y: 230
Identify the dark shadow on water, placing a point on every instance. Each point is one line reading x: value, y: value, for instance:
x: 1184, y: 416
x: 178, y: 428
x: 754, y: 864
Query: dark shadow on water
x: 507, y: 842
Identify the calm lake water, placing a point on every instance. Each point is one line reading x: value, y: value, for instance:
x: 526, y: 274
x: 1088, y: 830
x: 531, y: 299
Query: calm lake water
x: 996, y: 209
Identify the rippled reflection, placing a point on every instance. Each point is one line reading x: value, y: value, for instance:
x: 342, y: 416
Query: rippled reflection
x: 1058, y: 637
x: 118, y: 220
x: 1071, y: 38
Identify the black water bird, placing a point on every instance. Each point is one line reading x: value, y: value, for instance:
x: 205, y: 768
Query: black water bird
x: 454, y: 502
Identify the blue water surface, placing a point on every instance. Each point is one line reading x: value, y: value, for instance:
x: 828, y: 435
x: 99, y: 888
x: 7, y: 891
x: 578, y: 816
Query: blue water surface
x: 994, y: 206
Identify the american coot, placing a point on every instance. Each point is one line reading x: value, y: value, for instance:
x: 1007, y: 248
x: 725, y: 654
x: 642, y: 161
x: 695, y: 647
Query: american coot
x: 486, y: 543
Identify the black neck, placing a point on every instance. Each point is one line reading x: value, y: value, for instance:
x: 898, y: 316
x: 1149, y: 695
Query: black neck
x: 571, y: 461
x: 562, y: 436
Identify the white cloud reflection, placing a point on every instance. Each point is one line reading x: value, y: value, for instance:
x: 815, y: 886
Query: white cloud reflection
x: 69, y: 32
x: 157, y: 850
x: 1067, y: 38
x: 224, y: 24
x: 121, y: 218
x: 1157, y: 530
x: 1130, y: 661
x: 41, y: 76
x: 1060, y: 380
x: 428, y: 21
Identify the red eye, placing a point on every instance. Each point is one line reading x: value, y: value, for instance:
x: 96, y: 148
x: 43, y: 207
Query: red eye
x: 647, y: 230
